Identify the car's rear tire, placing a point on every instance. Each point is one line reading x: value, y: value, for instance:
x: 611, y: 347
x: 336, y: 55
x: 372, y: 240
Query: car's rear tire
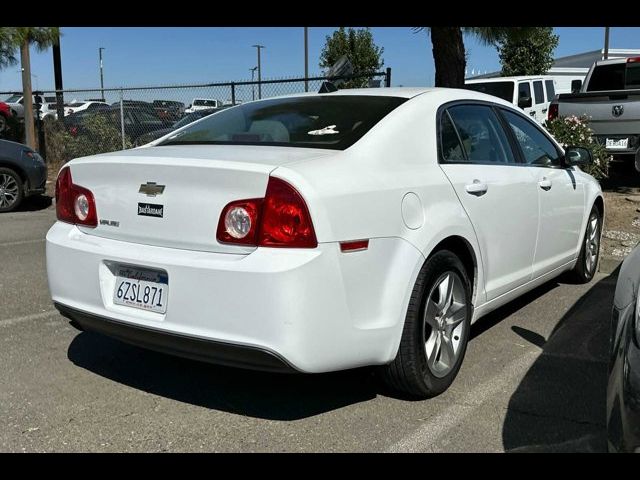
x: 436, y: 329
x: 4, y: 124
x: 11, y: 191
x: 587, y: 263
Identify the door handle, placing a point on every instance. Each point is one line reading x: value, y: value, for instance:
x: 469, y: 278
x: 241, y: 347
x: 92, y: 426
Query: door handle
x: 545, y: 183
x: 532, y: 114
x: 476, y: 188
x: 544, y: 111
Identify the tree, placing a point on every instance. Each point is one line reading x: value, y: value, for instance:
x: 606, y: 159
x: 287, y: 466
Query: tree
x: 21, y: 38
x: 532, y: 55
x: 449, y: 53
x: 358, y: 46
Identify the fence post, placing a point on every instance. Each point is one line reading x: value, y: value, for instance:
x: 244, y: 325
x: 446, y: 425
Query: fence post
x: 122, y: 120
x: 387, y: 79
x: 233, y: 93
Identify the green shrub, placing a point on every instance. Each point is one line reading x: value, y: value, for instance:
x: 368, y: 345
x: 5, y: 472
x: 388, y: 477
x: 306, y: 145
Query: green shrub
x: 575, y: 132
x: 97, y: 135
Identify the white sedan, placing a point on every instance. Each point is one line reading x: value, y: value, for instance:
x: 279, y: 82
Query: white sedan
x: 323, y: 232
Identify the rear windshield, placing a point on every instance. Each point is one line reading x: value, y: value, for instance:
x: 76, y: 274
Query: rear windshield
x: 618, y: 76
x: 502, y: 90
x: 205, y: 103
x: 334, y: 122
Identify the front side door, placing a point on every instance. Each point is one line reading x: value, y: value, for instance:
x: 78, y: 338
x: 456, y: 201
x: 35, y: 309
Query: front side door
x: 560, y: 193
x: 525, y: 92
x: 498, y: 193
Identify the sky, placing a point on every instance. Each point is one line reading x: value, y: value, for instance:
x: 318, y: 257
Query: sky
x: 149, y: 56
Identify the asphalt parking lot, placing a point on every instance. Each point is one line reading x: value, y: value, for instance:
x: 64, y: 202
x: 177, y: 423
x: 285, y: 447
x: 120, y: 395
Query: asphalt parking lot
x: 534, y: 379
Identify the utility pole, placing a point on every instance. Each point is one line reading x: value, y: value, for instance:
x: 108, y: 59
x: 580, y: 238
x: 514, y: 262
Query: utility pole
x: 101, y: 77
x: 57, y: 73
x: 29, y: 128
x: 606, y: 43
x: 259, y: 47
x: 306, y: 59
x: 253, y: 87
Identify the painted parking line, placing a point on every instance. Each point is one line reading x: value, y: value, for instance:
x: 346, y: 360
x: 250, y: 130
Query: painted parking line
x: 28, y: 318
x: 21, y: 242
x: 426, y: 437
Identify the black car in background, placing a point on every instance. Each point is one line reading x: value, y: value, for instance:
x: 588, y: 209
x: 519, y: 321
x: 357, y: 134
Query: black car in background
x: 623, y: 389
x: 22, y: 173
x: 138, y: 120
x: 191, y: 117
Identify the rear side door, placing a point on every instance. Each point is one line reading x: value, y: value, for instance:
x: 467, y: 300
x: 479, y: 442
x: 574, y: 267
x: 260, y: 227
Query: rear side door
x: 540, y: 103
x: 498, y: 194
x: 560, y: 192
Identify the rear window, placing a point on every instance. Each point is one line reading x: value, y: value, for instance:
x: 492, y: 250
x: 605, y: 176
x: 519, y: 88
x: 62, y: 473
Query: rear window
x: 205, y: 103
x: 502, y: 90
x: 333, y: 122
x: 607, y: 77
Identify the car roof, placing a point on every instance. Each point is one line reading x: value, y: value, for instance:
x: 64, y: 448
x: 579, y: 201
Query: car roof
x: 516, y: 78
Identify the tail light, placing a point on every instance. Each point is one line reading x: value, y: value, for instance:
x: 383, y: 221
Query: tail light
x: 633, y: 60
x: 281, y: 219
x: 553, y: 111
x: 74, y: 204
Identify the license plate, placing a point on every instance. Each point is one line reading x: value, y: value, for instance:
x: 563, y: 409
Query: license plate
x: 617, y: 143
x: 143, y: 289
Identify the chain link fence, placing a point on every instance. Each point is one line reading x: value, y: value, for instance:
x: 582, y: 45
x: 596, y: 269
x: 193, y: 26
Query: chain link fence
x: 80, y: 122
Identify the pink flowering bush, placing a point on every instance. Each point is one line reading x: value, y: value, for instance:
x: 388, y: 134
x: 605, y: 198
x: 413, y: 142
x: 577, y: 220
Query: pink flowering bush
x: 575, y: 131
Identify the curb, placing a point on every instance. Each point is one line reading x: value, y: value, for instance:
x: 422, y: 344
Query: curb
x: 608, y: 264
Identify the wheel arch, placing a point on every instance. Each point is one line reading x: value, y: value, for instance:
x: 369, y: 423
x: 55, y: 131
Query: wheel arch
x: 16, y: 168
x: 464, y: 250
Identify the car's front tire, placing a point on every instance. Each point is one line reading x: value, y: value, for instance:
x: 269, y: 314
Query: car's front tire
x: 11, y: 191
x: 436, y: 329
x: 587, y: 263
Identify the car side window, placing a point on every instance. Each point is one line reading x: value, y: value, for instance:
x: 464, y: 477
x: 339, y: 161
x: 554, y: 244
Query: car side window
x: 524, y: 90
x: 551, y: 91
x: 482, y: 136
x: 536, y: 147
x: 538, y: 93
x: 450, y: 142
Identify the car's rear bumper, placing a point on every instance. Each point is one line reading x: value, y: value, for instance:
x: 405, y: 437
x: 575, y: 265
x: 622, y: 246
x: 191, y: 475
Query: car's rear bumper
x: 221, y: 353
x: 316, y: 309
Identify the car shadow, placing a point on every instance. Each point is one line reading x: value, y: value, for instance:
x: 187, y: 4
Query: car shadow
x: 560, y: 403
x: 35, y: 203
x: 256, y: 394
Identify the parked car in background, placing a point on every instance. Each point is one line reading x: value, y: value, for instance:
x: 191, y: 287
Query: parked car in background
x: 531, y: 93
x: 610, y: 97
x: 22, y: 173
x: 190, y: 118
x: 169, y: 109
x: 16, y: 104
x: 137, y: 121
x: 623, y: 389
x: 203, y: 104
x: 324, y: 232
x: 5, y: 115
x: 75, y: 107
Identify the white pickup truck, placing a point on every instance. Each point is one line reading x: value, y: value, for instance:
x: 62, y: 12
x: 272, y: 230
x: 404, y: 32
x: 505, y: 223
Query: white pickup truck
x: 610, y: 96
x: 202, y: 104
x: 531, y: 93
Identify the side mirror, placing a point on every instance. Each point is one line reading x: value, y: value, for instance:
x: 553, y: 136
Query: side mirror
x: 576, y: 85
x: 524, y: 102
x: 577, y: 156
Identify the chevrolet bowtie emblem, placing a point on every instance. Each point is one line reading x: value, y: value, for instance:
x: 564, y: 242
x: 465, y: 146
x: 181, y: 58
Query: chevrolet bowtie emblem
x: 151, y: 189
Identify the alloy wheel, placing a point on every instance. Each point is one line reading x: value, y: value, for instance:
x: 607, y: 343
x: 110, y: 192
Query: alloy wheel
x: 8, y: 190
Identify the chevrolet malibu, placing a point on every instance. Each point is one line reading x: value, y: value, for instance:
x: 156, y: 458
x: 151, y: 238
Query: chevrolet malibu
x: 323, y: 232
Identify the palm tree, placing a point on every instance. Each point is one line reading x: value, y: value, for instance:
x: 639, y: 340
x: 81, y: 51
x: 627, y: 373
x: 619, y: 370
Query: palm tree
x: 14, y: 38
x: 448, y: 49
